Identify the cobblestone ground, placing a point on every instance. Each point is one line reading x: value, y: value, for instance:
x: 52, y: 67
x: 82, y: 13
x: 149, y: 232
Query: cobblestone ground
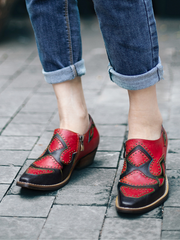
x: 83, y: 209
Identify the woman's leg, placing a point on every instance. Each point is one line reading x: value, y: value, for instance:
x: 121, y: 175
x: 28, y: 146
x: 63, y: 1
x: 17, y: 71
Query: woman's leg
x: 57, y: 30
x: 72, y: 109
x: 130, y: 37
x: 145, y: 119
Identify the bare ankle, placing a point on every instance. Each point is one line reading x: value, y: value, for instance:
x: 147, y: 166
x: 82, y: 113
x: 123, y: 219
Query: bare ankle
x: 72, y: 108
x: 145, y: 119
x: 144, y: 128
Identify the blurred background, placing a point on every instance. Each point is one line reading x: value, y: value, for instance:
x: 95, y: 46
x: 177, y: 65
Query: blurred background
x: 16, y: 9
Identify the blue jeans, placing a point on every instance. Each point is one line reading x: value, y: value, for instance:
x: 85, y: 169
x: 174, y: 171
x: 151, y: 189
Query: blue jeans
x: 129, y: 31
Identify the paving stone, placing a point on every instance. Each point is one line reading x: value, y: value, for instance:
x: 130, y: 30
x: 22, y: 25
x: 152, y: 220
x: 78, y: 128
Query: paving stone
x: 7, y: 174
x: 30, y: 118
x: 166, y: 235
x: 20, y: 228
x: 91, y: 96
x: 41, y: 103
x: 174, y: 146
x: 3, y: 82
x: 54, y: 123
x: 15, y: 158
x: 45, y: 87
x: 171, y: 219
x: 173, y: 177
x: 173, y: 161
x: 173, y: 130
x: 4, y: 121
x: 26, y: 206
x: 117, y: 228
x: 17, y: 143
x: 96, y: 78
x: 105, y: 160
x: 3, y: 190
x: 93, y: 177
x: 24, y: 129
x: 9, y: 69
x: 41, y: 145
x: 115, y: 97
x: 110, y: 115
x: 31, y: 77
x: 74, y: 222
x: 111, y: 130
x: 110, y: 144
x: 83, y: 195
x: 9, y: 107
x: 174, y: 197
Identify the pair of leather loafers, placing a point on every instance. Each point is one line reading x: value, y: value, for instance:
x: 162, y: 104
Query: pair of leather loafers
x: 143, y: 183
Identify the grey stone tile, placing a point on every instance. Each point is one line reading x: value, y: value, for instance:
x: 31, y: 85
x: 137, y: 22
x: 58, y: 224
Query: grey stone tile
x: 74, y: 222
x: 15, y: 158
x: 175, y: 111
x: 41, y: 103
x: 173, y: 161
x: 83, y: 195
x: 24, y: 129
x: 20, y: 228
x: 171, y: 219
x: 4, y: 121
x: 110, y: 144
x: 3, y: 190
x: 105, y: 160
x: 110, y: 115
x: 93, y: 177
x: 31, y: 77
x: 26, y: 206
x: 3, y: 82
x: 17, y: 143
x: 91, y: 97
x: 54, y: 123
x: 173, y: 130
x: 174, y: 197
x: 6, y: 70
x: 30, y: 118
x: 166, y: 235
x: 9, y: 107
x: 96, y: 78
x: 45, y: 88
x: 111, y: 130
x: 173, y: 177
x: 133, y: 228
x: 115, y: 97
x: 41, y: 145
x: 174, y: 146
x: 7, y: 174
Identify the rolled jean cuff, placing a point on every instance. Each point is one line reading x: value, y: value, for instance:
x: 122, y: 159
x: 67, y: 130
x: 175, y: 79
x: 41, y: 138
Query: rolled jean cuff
x: 137, y: 82
x: 65, y: 74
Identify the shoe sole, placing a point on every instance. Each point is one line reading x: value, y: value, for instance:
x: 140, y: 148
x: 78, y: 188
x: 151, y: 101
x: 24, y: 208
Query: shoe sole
x: 145, y: 208
x: 82, y: 163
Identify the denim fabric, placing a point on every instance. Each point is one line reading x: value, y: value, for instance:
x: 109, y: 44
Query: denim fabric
x: 129, y: 31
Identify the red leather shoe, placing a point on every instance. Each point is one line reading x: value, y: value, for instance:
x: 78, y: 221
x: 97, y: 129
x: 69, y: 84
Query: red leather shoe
x: 143, y: 183
x: 67, y: 150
